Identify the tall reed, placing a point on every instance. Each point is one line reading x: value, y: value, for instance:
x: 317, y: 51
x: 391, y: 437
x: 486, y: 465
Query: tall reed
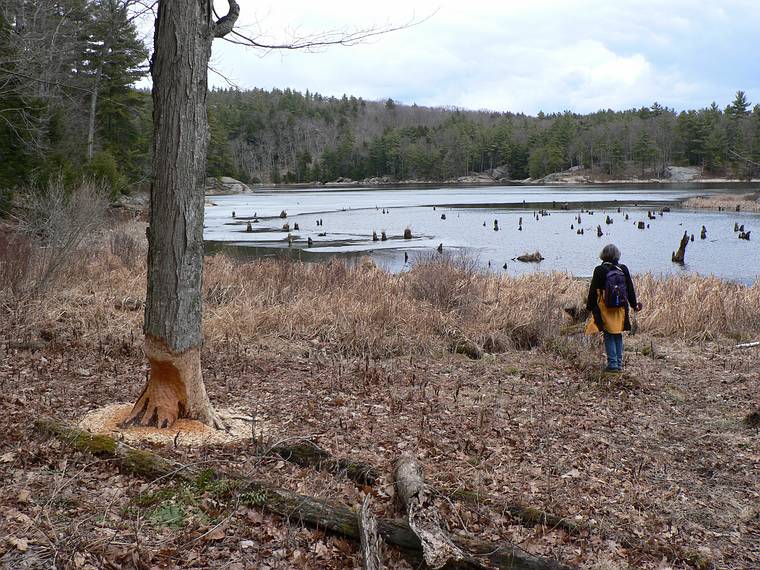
x: 358, y: 309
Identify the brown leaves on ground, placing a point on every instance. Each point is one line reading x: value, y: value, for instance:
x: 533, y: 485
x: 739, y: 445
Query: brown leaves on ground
x: 665, y: 471
x: 658, y: 465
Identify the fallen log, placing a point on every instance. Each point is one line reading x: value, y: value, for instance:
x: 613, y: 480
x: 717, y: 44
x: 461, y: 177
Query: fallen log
x: 309, y: 454
x: 332, y: 516
x: 370, y: 541
x: 423, y: 516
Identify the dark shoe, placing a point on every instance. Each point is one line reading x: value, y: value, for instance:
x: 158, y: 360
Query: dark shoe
x: 609, y: 370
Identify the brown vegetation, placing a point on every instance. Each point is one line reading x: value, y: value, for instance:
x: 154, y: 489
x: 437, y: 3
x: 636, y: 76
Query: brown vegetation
x: 361, y: 361
x: 744, y: 203
x: 358, y: 309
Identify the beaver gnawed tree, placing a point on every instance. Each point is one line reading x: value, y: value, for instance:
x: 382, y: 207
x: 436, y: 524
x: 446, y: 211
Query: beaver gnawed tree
x: 173, y: 310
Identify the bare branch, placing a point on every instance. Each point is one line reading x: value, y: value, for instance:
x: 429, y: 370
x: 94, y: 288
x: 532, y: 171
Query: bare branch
x: 324, y: 39
x: 226, y: 79
x: 224, y: 25
x: 743, y: 158
x: 38, y: 80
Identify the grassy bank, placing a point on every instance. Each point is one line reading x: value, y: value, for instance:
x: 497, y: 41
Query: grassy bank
x: 745, y: 202
x: 353, y: 309
x: 659, y: 463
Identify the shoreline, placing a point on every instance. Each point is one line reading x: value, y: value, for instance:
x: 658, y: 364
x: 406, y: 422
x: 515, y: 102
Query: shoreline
x: 411, y: 184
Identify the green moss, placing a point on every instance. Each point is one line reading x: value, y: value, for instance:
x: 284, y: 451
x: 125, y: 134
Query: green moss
x: 466, y: 495
x: 698, y: 561
x: 145, y: 463
x: 98, y: 445
x: 532, y: 515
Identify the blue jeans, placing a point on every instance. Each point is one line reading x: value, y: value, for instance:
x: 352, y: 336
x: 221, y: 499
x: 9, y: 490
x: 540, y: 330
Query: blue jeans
x: 613, y: 346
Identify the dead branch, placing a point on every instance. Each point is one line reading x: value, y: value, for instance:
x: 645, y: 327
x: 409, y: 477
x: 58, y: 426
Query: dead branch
x: 309, y: 454
x: 423, y: 516
x: 371, y: 543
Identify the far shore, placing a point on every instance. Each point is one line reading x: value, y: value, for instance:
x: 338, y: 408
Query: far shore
x: 706, y: 182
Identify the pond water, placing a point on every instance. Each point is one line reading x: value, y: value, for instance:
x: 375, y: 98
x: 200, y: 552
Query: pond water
x: 349, y: 216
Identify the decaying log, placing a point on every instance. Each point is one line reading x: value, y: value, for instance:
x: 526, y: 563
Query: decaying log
x: 328, y: 515
x: 371, y: 543
x: 309, y: 454
x: 423, y: 517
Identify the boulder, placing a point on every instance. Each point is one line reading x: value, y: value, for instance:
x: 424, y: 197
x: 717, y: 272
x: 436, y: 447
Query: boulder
x: 500, y: 172
x: 225, y: 185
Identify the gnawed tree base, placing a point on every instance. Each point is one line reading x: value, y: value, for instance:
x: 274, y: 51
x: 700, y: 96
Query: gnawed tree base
x: 174, y: 389
x: 327, y: 515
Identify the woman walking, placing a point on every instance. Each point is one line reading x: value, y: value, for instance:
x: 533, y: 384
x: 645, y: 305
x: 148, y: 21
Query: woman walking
x: 610, y: 295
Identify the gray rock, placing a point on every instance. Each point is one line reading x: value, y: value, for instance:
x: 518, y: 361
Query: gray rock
x: 225, y: 185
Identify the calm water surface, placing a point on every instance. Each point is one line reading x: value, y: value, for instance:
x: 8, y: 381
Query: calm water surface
x: 350, y: 216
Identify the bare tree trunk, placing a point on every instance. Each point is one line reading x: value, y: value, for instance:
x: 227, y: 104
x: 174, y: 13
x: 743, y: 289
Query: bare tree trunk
x: 173, y: 310
x: 93, y: 109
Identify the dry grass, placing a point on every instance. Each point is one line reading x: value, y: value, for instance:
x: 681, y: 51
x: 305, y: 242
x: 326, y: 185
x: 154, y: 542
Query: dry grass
x: 359, y: 310
x: 745, y: 202
x: 696, y: 308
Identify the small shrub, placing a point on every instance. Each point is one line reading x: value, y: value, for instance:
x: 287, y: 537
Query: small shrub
x: 127, y: 247
x: 16, y: 253
x: 448, y: 283
x: 61, y: 221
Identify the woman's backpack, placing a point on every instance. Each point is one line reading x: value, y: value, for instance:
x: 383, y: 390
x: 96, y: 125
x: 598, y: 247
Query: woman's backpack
x: 615, y: 289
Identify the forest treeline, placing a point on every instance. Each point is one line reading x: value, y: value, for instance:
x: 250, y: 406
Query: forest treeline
x: 69, y: 109
x: 288, y: 136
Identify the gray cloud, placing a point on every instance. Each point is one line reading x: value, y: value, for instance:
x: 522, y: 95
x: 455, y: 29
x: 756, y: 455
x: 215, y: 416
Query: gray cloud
x: 518, y: 56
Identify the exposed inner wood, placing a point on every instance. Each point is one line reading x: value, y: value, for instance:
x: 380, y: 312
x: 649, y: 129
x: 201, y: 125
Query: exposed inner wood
x: 370, y: 541
x: 423, y: 516
x: 174, y: 390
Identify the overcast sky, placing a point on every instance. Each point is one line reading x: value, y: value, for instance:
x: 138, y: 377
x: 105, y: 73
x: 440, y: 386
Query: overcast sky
x: 509, y: 55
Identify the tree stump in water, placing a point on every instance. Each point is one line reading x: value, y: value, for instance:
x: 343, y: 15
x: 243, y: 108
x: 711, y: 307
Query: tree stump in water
x: 678, y: 256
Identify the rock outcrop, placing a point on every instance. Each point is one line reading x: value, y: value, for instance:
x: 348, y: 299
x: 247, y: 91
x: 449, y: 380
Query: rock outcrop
x: 225, y: 185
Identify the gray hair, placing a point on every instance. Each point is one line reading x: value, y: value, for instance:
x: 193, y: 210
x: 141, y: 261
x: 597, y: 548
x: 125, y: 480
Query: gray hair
x: 610, y: 253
